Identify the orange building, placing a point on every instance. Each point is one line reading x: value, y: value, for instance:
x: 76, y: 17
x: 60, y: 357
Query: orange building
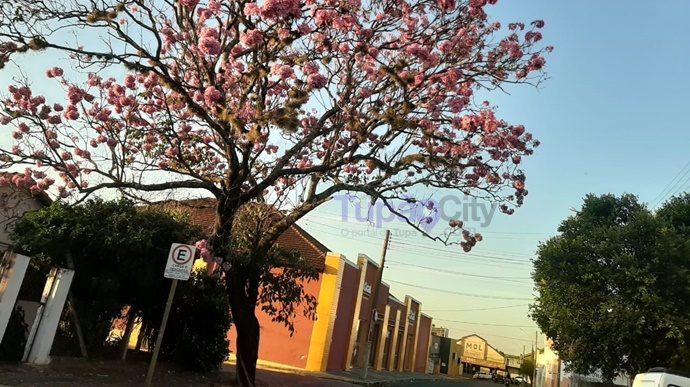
x: 334, y: 341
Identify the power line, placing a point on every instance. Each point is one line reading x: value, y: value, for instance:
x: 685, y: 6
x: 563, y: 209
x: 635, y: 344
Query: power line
x: 501, y: 261
x: 455, y: 272
x: 505, y: 259
x: 487, y: 334
x: 661, y: 196
x: 462, y: 294
x: 474, y: 310
x: 450, y: 256
x: 339, y: 216
x: 485, y: 324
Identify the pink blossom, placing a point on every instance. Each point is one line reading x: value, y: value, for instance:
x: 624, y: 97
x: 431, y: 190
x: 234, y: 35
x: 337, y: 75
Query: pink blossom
x: 538, y: 23
x: 251, y: 38
x: 251, y: 9
x: 279, y: 9
x: 536, y: 63
x: 325, y: 16
x: 209, y: 32
x: 212, y: 96
x: 24, y: 128
x: 201, y: 244
x: 209, y: 46
x: 310, y: 68
x: 163, y: 164
x: 214, y: 6
x: 283, y: 71
x: 226, y: 266
x: 71, y: 113
x: 189, y: 3
x: 54, y: 72
x: 417, y: 50
x: 446, y: 5
x: 317, y: 81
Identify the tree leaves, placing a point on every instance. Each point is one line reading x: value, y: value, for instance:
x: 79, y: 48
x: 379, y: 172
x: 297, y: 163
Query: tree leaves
x: 613, y: 286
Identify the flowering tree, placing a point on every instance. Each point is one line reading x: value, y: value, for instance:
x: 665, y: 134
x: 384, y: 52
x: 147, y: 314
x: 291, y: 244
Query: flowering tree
x: 280, y: 101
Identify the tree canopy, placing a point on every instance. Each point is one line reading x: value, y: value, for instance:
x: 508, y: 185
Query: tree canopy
x: 284, y: 102
x: 118, y: 252
x: 613, y: 286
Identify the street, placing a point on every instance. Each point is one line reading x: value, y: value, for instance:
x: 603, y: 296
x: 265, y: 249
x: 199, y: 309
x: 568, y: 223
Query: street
x: 449, y: 383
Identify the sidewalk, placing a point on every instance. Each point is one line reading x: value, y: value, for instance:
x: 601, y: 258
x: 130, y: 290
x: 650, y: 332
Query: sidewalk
x: 71, y: 372
x: 64, y: 372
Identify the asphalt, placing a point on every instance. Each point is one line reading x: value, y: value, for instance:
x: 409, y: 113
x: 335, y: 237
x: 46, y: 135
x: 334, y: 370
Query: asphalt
x: 446, y: 383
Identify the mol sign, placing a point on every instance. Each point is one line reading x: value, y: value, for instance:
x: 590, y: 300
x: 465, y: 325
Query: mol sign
x: 474, y: 347
x: 180, y: 262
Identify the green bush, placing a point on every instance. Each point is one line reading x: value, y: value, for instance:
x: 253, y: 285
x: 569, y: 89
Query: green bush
x: 196, y: 335
x: 14, y: 341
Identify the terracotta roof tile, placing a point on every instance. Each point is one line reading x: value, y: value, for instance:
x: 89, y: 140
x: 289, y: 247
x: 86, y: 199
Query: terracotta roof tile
x: 203, y: 214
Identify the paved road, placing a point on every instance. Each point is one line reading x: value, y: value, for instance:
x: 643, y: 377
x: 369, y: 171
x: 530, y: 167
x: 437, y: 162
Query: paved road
x: 450, y: 383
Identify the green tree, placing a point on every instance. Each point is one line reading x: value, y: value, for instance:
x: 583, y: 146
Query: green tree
x: 527, y: 368
x: 118, y: 252
x: 612, y: 286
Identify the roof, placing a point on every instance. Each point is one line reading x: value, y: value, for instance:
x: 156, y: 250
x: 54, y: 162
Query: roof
x: 203, y: 213
x: 42, y: 197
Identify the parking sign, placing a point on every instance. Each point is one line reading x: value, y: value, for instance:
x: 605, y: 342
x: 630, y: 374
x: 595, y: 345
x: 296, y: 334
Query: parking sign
x: 180, y: 262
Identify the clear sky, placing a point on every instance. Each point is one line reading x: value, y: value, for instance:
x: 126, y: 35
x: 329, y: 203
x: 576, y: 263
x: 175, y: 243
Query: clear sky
x: 611, y: 119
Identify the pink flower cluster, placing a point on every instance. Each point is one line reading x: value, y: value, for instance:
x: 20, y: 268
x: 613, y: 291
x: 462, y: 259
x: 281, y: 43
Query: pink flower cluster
x: 282, y: 71
x: 251, y: 38
x: 274, y: 9
x: 208, y: 41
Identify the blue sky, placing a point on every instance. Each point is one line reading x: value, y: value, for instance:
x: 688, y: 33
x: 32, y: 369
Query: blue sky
x: 611, y: 120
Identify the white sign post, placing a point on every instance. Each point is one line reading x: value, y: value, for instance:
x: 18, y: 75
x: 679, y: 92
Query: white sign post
x: 178, y: 267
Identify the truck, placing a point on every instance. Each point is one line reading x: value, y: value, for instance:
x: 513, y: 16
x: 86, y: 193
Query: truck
x: 662, y: 377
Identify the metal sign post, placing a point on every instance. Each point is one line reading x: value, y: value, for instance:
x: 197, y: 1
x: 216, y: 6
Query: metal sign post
x: 178, y: 267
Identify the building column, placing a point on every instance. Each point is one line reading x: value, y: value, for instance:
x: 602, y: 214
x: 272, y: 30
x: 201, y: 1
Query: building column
x: 329, y: 295
x: 415, y: 338
x: 354, y: 326
x: 428, y: 346
x: 403, y: 345
x: 378, y: 365
x: 394, y: 342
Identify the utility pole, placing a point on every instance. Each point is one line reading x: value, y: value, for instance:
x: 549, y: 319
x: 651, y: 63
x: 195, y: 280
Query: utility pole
x: 536, y: 349
x: 374, y: 305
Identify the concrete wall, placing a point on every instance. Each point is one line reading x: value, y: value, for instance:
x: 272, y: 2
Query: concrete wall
x: 343, y: 320
x: 13, y: 204
x: 276, y: 345
x: 423, y: 344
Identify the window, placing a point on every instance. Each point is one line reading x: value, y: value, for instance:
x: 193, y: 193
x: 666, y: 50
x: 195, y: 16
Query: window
x: 454, y: 355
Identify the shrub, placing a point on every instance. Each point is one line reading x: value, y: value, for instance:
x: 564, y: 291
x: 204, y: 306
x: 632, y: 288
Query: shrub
x: 196, y: 335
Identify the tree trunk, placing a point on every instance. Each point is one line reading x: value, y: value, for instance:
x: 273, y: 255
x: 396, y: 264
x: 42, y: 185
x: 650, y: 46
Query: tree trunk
x: 131, y: 318
x: 77, y: 326
x: 243, y: 310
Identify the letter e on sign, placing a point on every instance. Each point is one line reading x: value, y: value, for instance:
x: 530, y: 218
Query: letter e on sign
x: 180, y: 261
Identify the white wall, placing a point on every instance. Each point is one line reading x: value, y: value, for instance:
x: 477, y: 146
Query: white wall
x: 14, y: 203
